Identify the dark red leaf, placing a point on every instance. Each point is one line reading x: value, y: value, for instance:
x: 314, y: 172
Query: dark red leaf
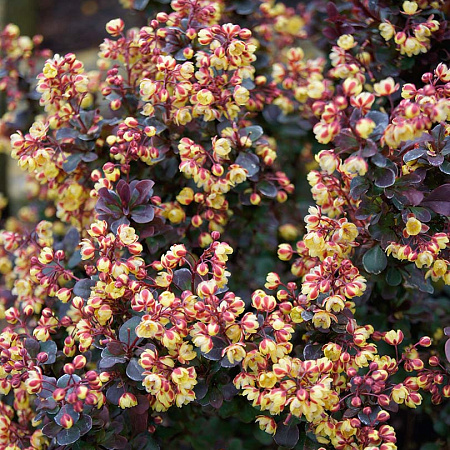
x: 439, y: 200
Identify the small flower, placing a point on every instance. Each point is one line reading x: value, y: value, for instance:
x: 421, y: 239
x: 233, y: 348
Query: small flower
x: 409, y: 8
x: 66, y: 421
x: 115, y: 27
x: 241, y: 95
x: 386, y: 87
x: 205, y: 97
x: 413, y: 226
x: 234, y: 352
x: 387, y: 30
x: 346, y: 42
x: 266, y: 424
x: 394, y: 337
x: 364, y: 127
x: 127, y: 400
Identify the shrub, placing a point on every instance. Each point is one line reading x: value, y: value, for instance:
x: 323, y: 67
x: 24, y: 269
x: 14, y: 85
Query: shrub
x: 159, y: 192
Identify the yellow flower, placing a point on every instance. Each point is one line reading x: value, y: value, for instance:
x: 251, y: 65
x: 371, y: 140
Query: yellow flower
x: 38, y: 130
x: 328, y: 161
x: 205, y: 97
x: 413, y: 226
x: 149, y: 328
x: 235, y: 353
x: 127, y: 235
x: 315, y: 243
x: 222, y: 147
x: 424, y: 259
x: 322, y: 319
x: 348, y: 232
x: 147, y: 89
x: 315, y: 89
x: 332, y: 351
x: 127, y: 400
x: 399, y: 393
x: 237, y: 174
x: 364, y: 127
x: 440, y: 268
x: 266, y: 424
x: 335, y: 303
x: 267, y: 380
x: 387, y: 30
x: 346, y: 41
x: 409, y: 8
x: 176, y: 215
x: 241, y: 95
x: 186, y: 196
x: 49, y: 70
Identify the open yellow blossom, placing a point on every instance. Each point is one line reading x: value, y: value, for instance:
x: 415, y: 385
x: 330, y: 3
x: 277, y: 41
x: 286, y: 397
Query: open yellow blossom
x: 409, y: 8
x: 413, y: 226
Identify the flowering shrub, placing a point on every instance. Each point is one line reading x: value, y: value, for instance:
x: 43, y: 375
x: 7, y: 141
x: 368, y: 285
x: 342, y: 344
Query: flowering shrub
x: 160, y: 183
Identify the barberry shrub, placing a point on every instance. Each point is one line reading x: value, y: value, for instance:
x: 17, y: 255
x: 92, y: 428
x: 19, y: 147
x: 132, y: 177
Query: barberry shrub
x: 136, y: 315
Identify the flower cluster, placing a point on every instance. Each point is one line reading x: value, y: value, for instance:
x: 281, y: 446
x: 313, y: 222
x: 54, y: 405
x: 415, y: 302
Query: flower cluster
x: 18, y: 62
x: 414, y: 36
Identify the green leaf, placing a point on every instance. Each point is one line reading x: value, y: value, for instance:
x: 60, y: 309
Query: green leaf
x: 393, y: 277
x: 375, y: 260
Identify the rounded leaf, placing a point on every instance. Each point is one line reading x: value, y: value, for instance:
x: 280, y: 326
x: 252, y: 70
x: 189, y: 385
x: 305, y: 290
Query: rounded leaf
x: 375, y: 260
x: 287, y: 435
x: 69, y: 436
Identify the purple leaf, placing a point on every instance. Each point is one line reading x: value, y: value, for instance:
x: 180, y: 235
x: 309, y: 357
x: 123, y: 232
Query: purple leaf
x: 122, y: 221
x: 108, y: 196
x: 51, y: 429
x: 143, y: 214
x: 414, y: 196
x: 101, y: 206
x: 71, y: 163
x: 439, y: 200
x: 287, y: 435
x: 346, y: 140
x: 385, y: 179
x: 370, y: 149
x: 249, y: 162
x: 435, y: 160
x: 329, y: 33
x: 123, y: 189
x: 144, y: 189
x: 215, y: 398
x: 332, y: 11
x: 414, y: 154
